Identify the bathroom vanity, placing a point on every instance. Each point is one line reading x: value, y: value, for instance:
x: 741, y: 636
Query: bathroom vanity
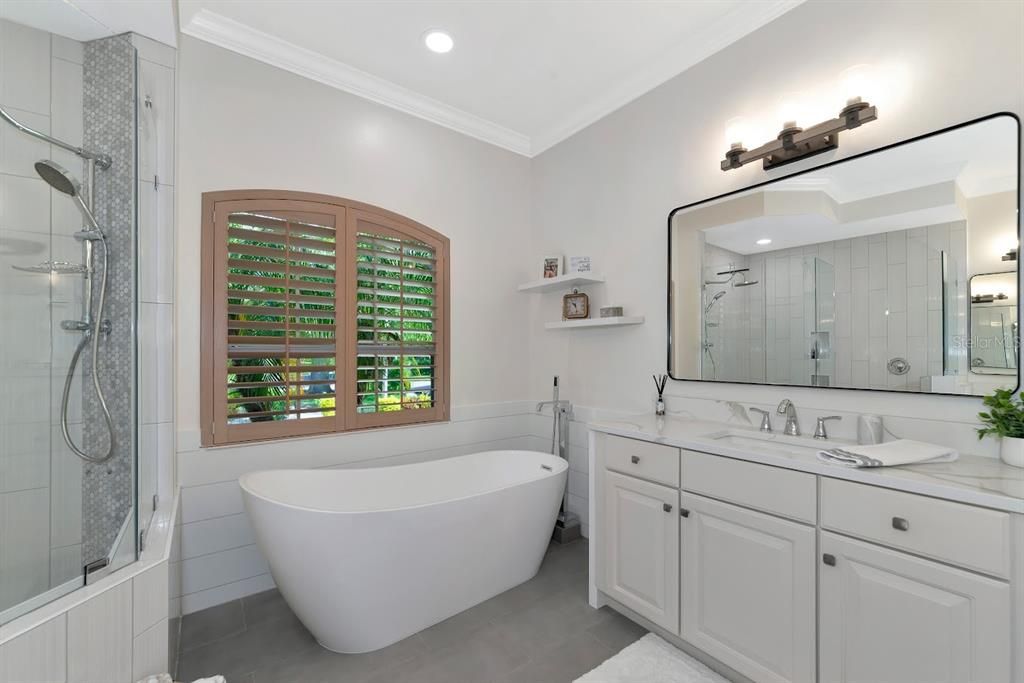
x: 744, y: 549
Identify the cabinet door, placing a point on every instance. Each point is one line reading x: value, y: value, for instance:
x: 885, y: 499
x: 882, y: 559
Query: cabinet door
x: 748, y: 590
x: 889, y: 617
x: 641, y: 546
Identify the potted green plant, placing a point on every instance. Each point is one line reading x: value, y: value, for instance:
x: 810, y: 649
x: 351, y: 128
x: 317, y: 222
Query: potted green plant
x: 1005, y: 419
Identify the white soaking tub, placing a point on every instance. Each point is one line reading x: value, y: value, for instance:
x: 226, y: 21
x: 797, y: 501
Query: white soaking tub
x: 367, y: 557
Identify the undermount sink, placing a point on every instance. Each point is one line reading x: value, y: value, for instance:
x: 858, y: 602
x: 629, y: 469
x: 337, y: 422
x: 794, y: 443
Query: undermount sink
x: 776, y: 443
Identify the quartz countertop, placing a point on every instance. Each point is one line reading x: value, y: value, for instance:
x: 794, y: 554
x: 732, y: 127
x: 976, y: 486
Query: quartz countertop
x: 972, y: 479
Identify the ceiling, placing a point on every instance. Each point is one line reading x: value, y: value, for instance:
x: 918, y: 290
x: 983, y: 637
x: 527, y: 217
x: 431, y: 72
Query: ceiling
x: 523, y: 75
x: 84, y: 20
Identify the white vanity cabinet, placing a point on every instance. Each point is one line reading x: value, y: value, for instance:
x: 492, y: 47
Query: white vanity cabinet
x: 890, y: 616
x: 641, y: 547
x: 786, y: 573
x: 748, y: 589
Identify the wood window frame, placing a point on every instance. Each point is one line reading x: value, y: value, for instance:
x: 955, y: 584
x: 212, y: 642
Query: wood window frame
x: 351, y: 217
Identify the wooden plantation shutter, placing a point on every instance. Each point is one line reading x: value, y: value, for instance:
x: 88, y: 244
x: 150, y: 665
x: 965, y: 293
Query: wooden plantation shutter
x: 399, y: 298
x: 319, y: 315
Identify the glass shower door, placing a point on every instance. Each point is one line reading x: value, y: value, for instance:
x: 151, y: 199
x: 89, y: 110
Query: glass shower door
x: 824, y: 321
x: 60, y: 513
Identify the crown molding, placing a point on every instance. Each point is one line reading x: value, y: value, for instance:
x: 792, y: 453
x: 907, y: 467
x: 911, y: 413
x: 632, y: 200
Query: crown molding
x: 739, y: 22
x: 232, y: 35
x: 245, y: 40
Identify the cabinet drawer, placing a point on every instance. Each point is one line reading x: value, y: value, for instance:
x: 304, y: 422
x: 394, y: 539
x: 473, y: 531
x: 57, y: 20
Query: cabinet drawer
x: 960, y: 534
x: 771, y: 489
x: 643, y: 459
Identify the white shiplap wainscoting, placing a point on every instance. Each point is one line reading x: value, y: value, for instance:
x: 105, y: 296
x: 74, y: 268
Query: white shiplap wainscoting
x: 219, y: 560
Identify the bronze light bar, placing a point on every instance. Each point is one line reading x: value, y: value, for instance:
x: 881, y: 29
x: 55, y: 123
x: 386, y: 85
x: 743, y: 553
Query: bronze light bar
x: 794, y: 143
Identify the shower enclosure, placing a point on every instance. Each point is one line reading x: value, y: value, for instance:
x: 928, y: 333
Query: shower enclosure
x: 814, y: 316
x: 68, y: 511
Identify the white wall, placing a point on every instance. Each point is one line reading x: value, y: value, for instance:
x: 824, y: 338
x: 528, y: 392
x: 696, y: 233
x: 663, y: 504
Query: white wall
x: 607, y: 191
x: 243, y: 124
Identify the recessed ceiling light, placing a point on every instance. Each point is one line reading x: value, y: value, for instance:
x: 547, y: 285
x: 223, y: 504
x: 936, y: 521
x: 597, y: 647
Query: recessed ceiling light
x: 764, y: 241
x: 438, y: 41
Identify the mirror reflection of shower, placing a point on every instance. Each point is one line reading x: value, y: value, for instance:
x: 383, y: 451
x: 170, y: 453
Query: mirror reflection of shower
x: 92, y: 322
x: 735, y: 277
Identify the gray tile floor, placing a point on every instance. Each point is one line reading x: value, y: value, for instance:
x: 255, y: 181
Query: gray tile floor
x: 542, y: 631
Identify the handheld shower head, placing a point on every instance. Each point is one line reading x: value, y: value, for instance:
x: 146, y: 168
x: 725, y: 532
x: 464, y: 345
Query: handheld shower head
x: 60, y: 179
x: 716, y: 297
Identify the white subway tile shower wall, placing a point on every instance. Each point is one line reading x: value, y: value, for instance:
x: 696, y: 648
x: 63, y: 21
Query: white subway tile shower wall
x: 115, y: 630
x: 888, y: 304
x: 41, y: 85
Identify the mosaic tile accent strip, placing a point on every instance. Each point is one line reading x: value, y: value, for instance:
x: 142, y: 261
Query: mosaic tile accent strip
x: 110, y: 126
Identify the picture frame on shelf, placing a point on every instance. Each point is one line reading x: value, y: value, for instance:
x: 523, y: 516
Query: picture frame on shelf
x: 579, y: 265
x: 552, y: 266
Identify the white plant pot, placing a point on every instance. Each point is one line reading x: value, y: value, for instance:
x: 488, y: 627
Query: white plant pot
x: 1011, y: 451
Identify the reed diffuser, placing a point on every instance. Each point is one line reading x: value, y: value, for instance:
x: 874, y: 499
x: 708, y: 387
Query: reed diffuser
x: 659, y: 383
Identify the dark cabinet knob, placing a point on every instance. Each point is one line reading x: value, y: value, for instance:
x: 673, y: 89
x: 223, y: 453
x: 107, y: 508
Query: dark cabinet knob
x: 683, y: 512
x: 667, y: 507
x: 900, y: 524
x: 828, y: 559
x: 635, y: 459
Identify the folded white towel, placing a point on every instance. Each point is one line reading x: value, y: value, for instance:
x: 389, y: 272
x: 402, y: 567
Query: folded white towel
x: 899, y: 452
x: 214, y: 679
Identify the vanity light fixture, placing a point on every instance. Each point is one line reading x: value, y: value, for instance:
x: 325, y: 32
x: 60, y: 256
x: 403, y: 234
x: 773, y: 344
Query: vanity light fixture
x: 988, y: 298
x: 794, y: 142
x: 763, y: 241
x: 438, y: 41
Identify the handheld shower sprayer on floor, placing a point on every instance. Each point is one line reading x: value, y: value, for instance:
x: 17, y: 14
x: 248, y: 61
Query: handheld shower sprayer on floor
x: 567, y: 528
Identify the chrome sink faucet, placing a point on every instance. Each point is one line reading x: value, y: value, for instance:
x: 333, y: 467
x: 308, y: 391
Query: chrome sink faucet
x: 819, y: 431
x: 766, y: 419
x: 787, y: 408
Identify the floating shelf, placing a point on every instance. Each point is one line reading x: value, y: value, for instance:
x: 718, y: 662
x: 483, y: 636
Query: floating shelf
x: 595, y: 322
x: 561, y: 282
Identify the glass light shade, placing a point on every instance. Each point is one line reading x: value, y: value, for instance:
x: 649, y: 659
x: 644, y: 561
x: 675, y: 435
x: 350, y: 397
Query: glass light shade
x: 858, y: 84
x: 792, y: 109
x: 737, y: 131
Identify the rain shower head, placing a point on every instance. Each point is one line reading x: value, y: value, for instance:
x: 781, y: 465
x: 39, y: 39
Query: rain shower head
x: 60, y: 179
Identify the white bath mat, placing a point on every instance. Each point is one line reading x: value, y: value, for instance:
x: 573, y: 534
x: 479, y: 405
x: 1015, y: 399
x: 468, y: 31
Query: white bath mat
x: 651, y: 660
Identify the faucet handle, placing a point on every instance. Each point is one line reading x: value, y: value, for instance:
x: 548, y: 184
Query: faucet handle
x: 766, y: 419
x: 819, y: 430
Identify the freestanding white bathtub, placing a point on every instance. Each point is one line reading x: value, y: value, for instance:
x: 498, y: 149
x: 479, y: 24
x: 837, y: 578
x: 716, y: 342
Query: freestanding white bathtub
x: 367, y: 557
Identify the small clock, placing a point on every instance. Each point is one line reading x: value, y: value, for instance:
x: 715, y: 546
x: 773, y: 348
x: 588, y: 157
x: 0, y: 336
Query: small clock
x: 575, y: 306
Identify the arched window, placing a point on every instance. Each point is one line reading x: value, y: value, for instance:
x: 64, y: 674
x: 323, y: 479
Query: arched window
x: 319, y: 314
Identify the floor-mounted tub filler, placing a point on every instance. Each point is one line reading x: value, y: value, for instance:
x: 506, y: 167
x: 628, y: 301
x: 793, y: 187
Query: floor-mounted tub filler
x: 367, y: 557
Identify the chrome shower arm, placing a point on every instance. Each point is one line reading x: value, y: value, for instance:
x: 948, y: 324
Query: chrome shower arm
x: 102, y: 160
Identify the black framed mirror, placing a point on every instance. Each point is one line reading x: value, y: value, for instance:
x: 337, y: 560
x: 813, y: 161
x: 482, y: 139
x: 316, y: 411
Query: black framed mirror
x: 858, y: 274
